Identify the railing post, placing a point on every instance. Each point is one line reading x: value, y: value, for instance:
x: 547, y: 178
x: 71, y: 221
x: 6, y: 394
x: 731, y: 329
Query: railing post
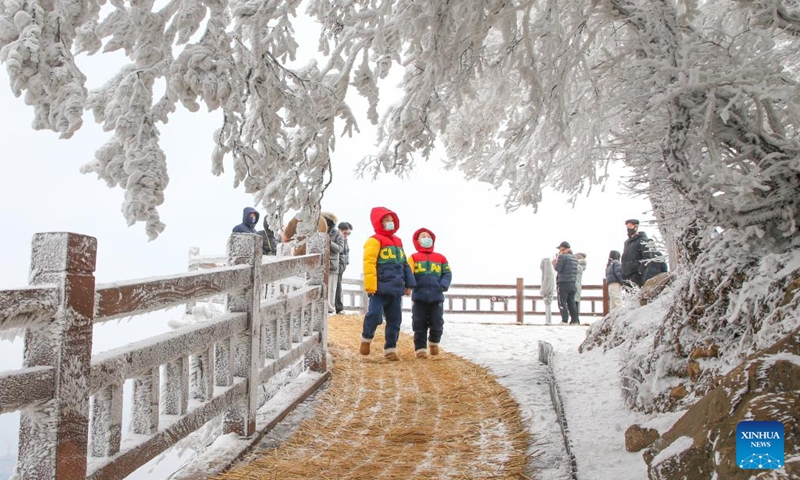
x: 317, y: 359
x: 193, y: 252
x: 53, y: 437
x: 606, y: 306
x: 246, y: 249
x: 520, y: 301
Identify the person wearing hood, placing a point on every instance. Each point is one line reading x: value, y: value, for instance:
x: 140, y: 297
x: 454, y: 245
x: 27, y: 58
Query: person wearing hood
x: 249, y: 220
x: 298, y: 243
x: 337, y: 245
x: 387, y: 277
x: 634, y: 254
x: 433, y: 276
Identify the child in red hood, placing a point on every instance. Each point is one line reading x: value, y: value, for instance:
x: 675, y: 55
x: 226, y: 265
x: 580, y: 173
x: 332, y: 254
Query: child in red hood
x: 433, y: 276
x: 387, y: 277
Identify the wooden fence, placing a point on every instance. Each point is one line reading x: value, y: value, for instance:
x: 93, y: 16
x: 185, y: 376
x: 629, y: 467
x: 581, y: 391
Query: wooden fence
x: 71, y: 402
x: 516, y: 299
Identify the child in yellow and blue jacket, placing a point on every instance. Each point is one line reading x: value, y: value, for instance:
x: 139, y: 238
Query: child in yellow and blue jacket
x: 387, y: 277
x: 433, y: 276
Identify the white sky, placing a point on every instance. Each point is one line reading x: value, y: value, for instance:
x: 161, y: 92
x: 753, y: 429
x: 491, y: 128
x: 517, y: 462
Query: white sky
x: 41, y: 190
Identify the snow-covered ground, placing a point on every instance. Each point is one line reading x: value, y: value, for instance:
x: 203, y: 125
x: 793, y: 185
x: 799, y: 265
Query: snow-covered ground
x: 589, y: 386
x: 588, y: 382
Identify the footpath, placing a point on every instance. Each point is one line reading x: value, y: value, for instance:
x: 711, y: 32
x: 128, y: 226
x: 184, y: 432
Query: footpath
x: 442, y: 417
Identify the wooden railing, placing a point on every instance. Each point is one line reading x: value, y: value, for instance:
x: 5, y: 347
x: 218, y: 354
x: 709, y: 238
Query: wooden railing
x: 518, y: 299
x: 71, y: 402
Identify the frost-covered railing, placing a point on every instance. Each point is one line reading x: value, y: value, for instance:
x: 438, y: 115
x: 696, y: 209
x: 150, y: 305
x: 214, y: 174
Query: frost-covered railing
x: 71, y: 403
x: 490, y: 299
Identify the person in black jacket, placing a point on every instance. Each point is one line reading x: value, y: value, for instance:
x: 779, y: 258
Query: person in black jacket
x: 656, y: 265
x: 636, y: 250
x: 614, y: 279
x: 249, y: 220
x: 566, y: 266
x: 269, y: 245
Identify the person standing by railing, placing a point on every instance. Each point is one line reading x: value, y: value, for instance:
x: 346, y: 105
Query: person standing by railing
x: 433, y: 276
x: 337, y: 245
x: 579, y: 279
x: 566, y: 266
x: 614, y: 280
x: 249, y: 220
x: 344, y: 260
x: 387, y: 277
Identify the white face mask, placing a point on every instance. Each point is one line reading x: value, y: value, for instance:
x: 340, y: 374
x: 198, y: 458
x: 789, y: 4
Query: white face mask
x: 388, y: 226
x: 426, y: 242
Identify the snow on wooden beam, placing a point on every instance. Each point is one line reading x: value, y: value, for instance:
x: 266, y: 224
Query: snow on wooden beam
x: 115, y: 366
x: 288, y: 267
x: 132, y: 457
x: 119, y: 299
x: 19, y: 388
x: 292, y: 301
x: 27, y: 307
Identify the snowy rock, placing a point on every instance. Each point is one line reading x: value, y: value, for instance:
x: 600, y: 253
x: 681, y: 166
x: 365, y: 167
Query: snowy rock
x: 702, y: 443
x: 653, y: 287
x: 638, y: 437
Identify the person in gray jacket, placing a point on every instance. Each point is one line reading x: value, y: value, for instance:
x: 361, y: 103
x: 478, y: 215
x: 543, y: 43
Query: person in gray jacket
x: 566, y: 266
x: 579, y: 279
x: 337, y: 245
x: 344, y: 260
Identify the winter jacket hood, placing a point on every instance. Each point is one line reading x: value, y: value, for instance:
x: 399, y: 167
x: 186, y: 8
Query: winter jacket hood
x: 247, y: 211
x: 330, y: 216
x: 375, y: 217
x: 246, y: 227
x: 419, y: 247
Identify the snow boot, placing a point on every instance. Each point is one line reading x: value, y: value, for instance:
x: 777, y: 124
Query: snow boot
x: 422, y: 353
x: 434, y: 347
x: 391, y: 354
x: 364, y: 348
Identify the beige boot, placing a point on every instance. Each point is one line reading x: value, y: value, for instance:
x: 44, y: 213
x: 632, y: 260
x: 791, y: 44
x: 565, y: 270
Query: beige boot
x: 434, y: 348
x: 422, y: 353
x: 391, y: 356
x: 364, y: 348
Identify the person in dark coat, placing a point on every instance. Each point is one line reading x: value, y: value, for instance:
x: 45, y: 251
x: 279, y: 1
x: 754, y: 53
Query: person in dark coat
x: 269, y: 245
x: 249, y: 220
x: 636, y: 250
x: 433, y: 276
x: 656, y: 265
x: 566, y: 266
x: 614, y: 279
x: 344, y: 260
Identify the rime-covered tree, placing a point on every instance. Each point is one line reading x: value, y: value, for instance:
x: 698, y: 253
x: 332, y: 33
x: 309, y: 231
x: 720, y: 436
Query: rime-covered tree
x: 699, y: 98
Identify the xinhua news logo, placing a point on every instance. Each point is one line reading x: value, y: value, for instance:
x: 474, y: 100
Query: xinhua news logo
x: 759, y: 445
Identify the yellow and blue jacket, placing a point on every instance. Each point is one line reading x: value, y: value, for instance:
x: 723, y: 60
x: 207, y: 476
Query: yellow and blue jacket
x: 386, y: 271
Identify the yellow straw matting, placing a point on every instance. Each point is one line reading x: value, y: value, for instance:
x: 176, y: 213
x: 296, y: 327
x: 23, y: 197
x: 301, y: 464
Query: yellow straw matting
x: 436, y: 418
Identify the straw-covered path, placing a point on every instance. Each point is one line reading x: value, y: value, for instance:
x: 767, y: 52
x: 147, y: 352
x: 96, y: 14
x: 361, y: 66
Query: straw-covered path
x: 436, y: 418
